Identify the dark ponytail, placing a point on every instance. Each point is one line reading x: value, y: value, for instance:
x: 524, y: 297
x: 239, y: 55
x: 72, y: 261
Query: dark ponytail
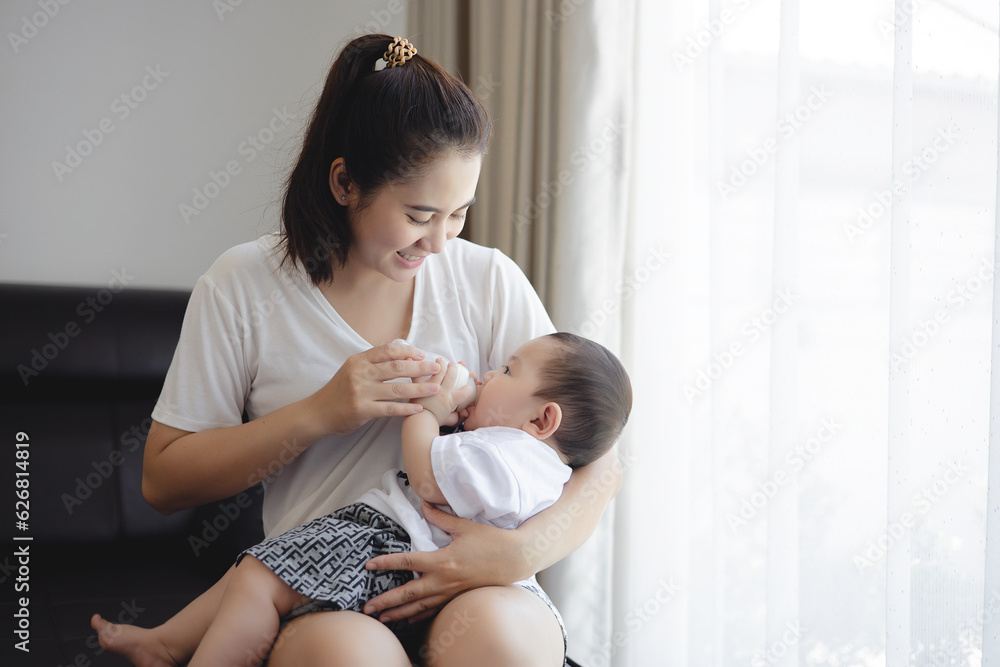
x: 387, y: 125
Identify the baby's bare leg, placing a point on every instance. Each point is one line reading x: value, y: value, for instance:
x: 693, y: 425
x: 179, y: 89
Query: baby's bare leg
x: 172, y: 643
x: 248, y: 618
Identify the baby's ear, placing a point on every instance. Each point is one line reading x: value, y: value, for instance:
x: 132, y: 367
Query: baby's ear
x: 545, y: 421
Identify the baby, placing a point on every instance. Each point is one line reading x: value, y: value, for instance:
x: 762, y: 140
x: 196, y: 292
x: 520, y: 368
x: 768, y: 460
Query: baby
x: 558, y: 403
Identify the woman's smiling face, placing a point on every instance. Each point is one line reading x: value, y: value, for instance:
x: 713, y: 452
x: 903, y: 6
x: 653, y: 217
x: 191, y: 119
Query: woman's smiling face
x: 406, y: 222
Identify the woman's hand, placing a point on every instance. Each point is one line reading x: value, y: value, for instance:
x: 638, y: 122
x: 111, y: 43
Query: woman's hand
x: 478, y: 555
x: 360, y: 392
x: 442, y: 405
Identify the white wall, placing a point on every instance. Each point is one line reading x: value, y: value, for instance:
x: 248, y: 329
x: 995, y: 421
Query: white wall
x: 199, y: 79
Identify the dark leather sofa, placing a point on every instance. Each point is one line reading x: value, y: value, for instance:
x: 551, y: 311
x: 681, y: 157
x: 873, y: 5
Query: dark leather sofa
x: 80, y: 371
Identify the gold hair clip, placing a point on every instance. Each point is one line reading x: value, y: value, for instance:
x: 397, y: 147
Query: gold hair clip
x: 399, y: 51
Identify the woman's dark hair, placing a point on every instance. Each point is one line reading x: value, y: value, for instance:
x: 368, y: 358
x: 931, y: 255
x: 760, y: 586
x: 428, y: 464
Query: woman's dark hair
x: 387, y: 125
x: 595, y: 395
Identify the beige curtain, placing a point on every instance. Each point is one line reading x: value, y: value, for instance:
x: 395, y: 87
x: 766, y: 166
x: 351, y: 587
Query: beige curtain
x: 551, y: 194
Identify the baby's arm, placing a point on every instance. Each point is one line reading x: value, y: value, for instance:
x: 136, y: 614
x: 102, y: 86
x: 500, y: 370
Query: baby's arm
x: 419, y: 431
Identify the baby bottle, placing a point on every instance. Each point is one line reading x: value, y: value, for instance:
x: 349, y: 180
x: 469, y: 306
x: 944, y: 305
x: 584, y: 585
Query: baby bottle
x: 463, y: 378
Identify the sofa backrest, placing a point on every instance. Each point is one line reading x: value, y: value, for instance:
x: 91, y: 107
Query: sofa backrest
x: 80, y: 371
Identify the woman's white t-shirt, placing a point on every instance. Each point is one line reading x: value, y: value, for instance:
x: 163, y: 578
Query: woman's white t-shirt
x: 258, y: 335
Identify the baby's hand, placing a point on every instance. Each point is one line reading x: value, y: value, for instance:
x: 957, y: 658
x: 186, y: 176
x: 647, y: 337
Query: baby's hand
x: 443, y: 404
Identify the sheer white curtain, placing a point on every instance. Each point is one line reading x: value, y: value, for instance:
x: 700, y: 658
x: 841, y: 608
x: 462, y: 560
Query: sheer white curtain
x: 812, y: 478
x: 783, y: 215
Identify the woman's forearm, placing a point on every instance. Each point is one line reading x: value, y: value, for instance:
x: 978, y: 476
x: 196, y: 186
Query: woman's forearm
x: 483, y: 555
x: 183, y: 469
x: 556, y: 532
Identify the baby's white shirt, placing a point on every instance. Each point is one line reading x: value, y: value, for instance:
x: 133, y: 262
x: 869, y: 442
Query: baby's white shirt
x: 495, y: 475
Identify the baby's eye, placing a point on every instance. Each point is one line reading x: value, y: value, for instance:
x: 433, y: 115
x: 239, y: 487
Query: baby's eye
x: 506, y: 370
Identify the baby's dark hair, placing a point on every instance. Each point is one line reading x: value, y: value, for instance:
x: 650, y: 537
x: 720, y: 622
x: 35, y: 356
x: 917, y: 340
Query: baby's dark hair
x: 593, y: 390
x: 388, y: 125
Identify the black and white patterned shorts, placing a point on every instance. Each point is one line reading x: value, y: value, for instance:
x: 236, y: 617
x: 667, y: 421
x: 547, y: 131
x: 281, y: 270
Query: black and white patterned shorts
x: 324, y: 559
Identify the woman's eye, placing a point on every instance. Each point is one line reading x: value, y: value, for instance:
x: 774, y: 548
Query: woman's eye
x: 417, y: 222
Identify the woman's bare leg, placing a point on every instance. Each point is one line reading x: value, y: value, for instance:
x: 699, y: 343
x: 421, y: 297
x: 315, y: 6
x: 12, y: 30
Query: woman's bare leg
x: 495, y: 626
x: 170, y: 644
x: 337, y: 639
x: 248, y: 617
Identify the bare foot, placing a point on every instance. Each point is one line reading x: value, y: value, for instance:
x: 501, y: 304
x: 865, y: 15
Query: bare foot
x: 140, y: 646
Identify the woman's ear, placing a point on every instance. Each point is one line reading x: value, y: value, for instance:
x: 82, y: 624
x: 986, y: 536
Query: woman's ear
x: 545, y: 422
x: 340, y: 181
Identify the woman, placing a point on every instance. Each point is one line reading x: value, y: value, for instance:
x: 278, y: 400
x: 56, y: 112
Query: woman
x: 295, y: 330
